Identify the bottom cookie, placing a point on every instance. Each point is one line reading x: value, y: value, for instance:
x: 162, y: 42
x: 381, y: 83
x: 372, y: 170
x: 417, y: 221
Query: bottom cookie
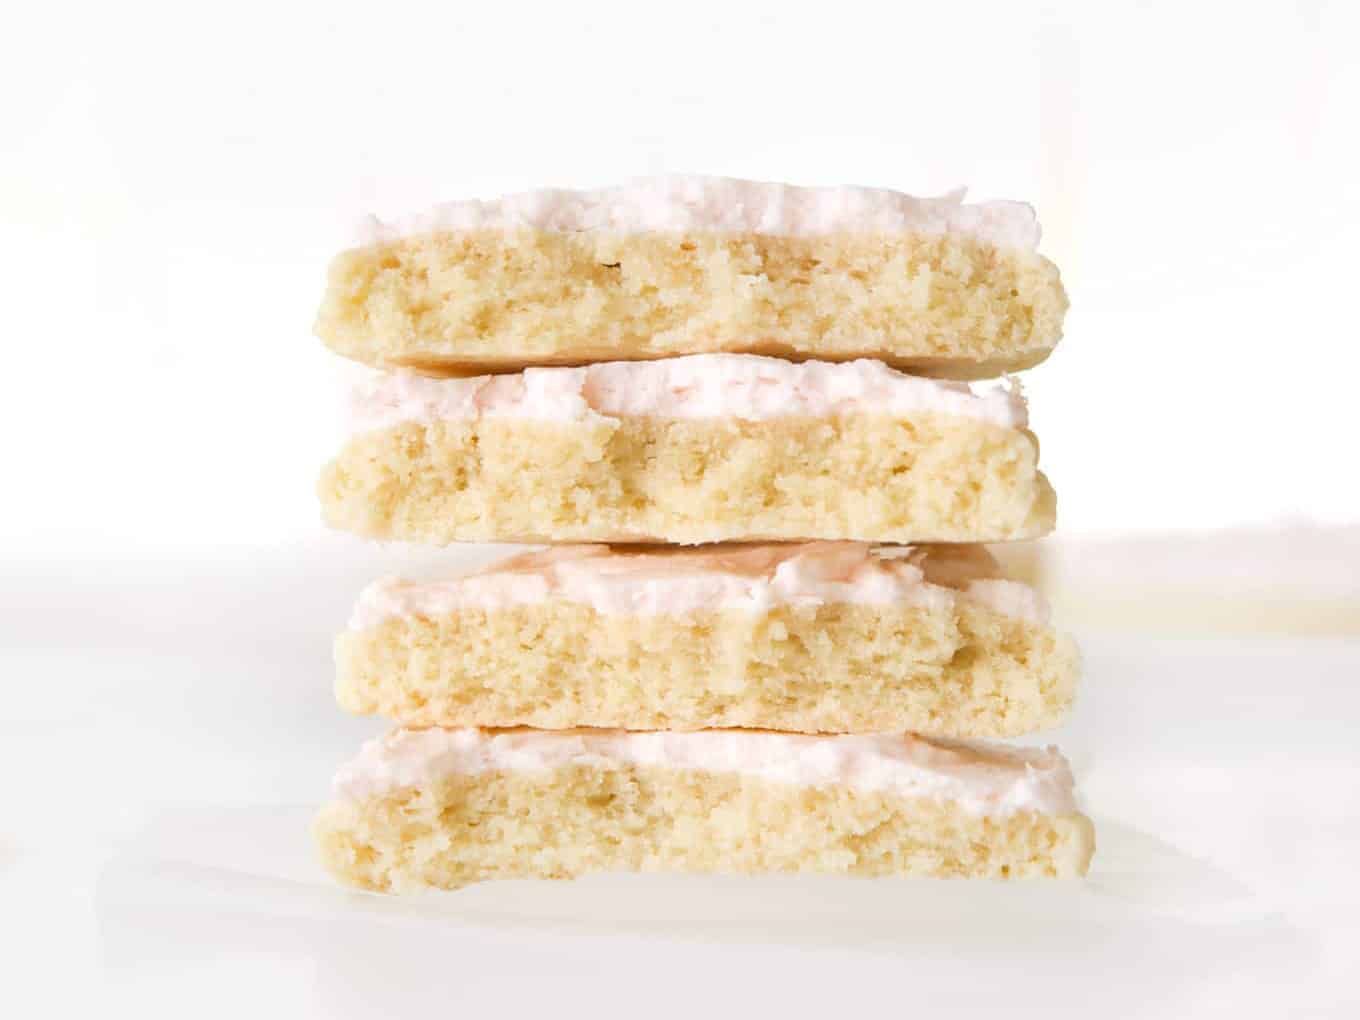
x: 445, y: 808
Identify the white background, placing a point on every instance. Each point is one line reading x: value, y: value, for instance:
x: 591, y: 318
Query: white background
x: 173, y: 179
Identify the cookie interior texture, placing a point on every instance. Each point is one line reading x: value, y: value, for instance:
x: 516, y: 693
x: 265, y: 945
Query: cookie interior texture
x: 487, y: 300
x: 952, y: 668
x: 874, y: 478
x: 567, y: 822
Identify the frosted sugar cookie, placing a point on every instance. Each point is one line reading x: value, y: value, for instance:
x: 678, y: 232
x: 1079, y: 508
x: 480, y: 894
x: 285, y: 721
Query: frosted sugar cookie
x: 687, y: 265
x: 443, y: 808
x: 823, y: 637
x: 705, y: 448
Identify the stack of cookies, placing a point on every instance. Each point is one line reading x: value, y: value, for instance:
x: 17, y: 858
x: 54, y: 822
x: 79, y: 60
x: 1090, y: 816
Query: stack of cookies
x: 765, y: 636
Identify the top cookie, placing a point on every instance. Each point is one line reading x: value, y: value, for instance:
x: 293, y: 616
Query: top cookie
x: 685, y: 265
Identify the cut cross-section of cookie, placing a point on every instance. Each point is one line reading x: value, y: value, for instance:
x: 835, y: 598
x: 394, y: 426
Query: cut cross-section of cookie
x: 444, y: 808
x: 816, y: 638
x: 687, y: 265
x: 705, y: 448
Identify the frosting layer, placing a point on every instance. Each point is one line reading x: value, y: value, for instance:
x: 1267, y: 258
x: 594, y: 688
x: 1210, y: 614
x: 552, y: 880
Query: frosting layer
x: 982, y: 779
x: 744, y: 386
x: 697, y: 204
x: 752, y: 578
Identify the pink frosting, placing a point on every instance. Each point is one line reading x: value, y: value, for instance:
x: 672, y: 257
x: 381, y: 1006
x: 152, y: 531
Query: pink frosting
x: 698, y: 204
x: 743, y: 386
x: 978, y: 777
x: 682, y: 580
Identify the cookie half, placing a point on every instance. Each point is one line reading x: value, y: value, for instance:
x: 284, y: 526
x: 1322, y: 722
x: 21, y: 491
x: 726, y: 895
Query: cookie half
x: 706, y: 448
x: 823, y: 637
x: 441, y: 809
x: 687, y: 265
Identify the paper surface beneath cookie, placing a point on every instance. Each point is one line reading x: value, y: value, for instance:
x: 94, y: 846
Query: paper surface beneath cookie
x: 156, y: 852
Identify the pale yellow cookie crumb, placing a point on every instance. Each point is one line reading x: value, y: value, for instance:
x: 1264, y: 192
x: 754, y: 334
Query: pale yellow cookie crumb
x: 571, y: 821
x: 490, y: 300
x: 923, y: 478
x: 949, y: 669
